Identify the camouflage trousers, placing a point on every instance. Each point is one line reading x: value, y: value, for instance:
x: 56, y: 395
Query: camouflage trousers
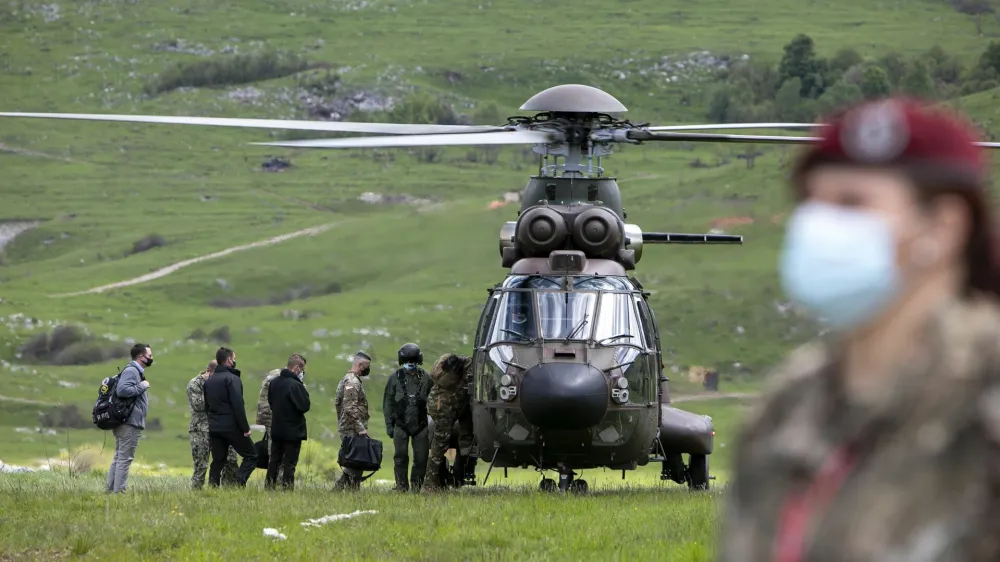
x: 200, y: 452
x: 445, y: 419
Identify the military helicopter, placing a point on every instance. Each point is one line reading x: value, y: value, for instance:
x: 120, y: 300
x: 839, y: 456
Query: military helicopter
x: 568, y: 371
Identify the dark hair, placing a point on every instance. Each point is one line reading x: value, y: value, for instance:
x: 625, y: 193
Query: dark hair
x: 138, y: 349
x: 223, y: 355
x: 296, y: 360
x: 981, y: 252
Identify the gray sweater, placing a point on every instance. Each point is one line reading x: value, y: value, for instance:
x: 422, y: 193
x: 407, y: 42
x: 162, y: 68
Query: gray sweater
x: 128, y: 387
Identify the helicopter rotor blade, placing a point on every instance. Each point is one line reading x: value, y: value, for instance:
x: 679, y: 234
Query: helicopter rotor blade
x: 719, y: 126
x: 501, y: 137
x: 640, y: 135
x: 327, y: 126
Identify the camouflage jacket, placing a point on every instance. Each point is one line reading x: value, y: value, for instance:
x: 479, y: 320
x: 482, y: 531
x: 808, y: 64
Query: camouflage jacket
x: 263, y: 407
x: 451, y: 389
x: 196, y: 400
x: 352, y: 406
x: 923, y: 477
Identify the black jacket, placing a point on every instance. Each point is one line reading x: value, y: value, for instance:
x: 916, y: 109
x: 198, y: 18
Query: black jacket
x: 289, y: 402
x: 224, y: 401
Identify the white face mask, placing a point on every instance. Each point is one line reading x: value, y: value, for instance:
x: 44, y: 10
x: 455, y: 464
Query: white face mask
x: 840, y: 263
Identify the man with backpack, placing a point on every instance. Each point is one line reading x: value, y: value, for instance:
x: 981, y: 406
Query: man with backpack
x: 227, y: 419
x: 131, y: 386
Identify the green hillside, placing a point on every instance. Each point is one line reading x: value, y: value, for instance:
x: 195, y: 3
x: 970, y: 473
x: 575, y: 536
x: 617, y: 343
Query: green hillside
x: 116, y: 201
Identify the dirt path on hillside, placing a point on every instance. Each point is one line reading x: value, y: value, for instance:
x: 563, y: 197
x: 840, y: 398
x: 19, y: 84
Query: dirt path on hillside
x: 702, y: 396
x: 26, y: 401
x: 26, y: 152
x: 163, y: 272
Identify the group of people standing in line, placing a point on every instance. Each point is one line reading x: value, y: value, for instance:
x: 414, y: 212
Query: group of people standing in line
x: 220, y: 431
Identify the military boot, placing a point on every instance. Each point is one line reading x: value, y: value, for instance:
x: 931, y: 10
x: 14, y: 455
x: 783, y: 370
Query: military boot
x: 401, y: 480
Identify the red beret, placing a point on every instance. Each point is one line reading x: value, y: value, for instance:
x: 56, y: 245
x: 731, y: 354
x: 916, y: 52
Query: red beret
x: 900, y: 132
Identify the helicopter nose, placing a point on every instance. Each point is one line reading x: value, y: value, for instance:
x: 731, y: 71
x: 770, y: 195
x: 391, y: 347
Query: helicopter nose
x: 564, y: 396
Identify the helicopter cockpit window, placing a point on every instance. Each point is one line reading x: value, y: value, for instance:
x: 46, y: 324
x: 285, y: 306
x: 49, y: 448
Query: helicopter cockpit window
x: 515, y: 318
x: 566, y: 315
x: 616, y: 321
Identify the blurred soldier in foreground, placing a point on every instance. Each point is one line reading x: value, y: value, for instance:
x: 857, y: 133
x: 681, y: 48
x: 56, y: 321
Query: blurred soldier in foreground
x: 264, y: 409
x: 404, y: 406
x: 448, y: 398
x: 352, y: 411
x: 198, y: 432
x: 882, y: 442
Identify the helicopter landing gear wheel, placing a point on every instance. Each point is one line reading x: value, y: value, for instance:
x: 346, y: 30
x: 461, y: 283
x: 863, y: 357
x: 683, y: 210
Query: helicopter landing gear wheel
x: 547, y: 485
x: 579, y: 487
x: 697, y: 472
x: 565, y: 479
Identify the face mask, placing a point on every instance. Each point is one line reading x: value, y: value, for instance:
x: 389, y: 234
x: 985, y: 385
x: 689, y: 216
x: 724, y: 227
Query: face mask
x: 301, y: 375
x: 148, y: 361
x: 234, y: 364
x: 364, y: 373
x: 840, y: 263
x: 409, y: 366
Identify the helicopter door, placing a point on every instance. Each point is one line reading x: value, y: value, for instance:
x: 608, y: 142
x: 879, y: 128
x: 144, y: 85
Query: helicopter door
x: 652, y: 339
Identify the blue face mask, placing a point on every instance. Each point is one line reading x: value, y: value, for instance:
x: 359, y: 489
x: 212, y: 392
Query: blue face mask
x: 410, y: 366
x: 840, y: 263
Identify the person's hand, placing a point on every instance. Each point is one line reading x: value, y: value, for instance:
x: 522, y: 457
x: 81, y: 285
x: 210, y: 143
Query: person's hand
x: 247, y: 434
x: 144, y: 385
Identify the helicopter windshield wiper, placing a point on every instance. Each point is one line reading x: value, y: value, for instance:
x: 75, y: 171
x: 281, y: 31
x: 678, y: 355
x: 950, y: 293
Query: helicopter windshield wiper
x: 579, y: 327
x: 612, y: 338
x: 515, y: 333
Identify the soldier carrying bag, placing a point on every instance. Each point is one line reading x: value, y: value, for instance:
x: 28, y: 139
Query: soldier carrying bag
x: 360, y: 453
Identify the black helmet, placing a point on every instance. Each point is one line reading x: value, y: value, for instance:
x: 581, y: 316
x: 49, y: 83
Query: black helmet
x: 410, y: 353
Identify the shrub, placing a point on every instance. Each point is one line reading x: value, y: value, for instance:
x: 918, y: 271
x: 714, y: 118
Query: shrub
x: 227, y: 70
x: 65, y: 416
x: 148, y: 243
x: 89, y: 353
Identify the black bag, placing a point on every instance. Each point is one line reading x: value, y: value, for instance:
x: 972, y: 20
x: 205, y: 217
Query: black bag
x: 111, y: 410
x: 263, y: 451
x: 360, y: 453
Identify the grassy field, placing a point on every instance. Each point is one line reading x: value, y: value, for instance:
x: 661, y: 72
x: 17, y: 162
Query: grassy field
x: 377, y: 275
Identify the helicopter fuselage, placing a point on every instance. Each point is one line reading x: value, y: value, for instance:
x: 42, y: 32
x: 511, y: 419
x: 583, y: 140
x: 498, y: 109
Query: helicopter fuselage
x: 567, y: 375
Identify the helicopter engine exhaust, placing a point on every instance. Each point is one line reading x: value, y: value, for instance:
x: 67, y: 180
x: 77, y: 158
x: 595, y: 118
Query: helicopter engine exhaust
x: 564, y: 396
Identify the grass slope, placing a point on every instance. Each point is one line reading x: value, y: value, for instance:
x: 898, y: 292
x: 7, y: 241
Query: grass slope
x: 381, y: 274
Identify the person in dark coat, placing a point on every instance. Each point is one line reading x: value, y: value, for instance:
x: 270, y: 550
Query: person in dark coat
x: 227, y: 419
x: 289, y: 401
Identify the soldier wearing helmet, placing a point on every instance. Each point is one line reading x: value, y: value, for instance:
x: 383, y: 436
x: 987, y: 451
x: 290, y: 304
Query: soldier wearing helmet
x: 881, y: 441
x: 405, y: 408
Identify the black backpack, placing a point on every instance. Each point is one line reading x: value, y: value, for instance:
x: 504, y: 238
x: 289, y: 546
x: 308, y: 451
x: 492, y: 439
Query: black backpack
x: 111, y: 410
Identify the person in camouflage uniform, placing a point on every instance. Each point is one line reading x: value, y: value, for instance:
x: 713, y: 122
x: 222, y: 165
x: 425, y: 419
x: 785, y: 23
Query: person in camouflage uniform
x: 449, y: 397
x: 198, y: 434
x: 881, y: 441
x: 264, y: 409
x: 352, y: 411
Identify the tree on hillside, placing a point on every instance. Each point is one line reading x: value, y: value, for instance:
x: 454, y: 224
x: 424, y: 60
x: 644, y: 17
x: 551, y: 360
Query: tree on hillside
x: 840, y: 63
x: 874, y: 82
x: 800, y: 61
x: 840, y: 95
x: 790, y: 106
x: 943, y: 67
x: 917, y: 81
x: 895, y: 66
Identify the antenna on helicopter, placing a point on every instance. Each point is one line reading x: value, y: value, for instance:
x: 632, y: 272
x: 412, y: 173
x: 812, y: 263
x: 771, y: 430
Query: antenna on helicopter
x: 679, y: 238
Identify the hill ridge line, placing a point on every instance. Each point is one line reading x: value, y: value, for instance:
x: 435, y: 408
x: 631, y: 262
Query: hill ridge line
x: 164, y: 271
